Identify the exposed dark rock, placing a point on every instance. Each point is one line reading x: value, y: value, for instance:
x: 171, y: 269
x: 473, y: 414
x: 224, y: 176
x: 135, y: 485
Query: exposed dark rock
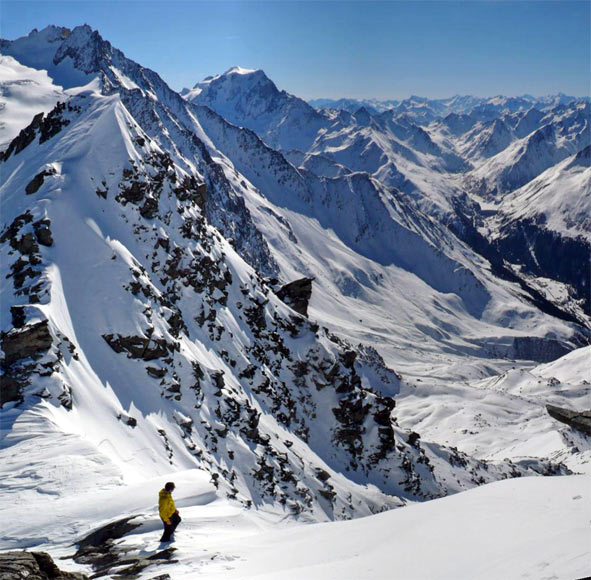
x: 297, y: 294
x: 37, y: 181
x: 10, y: 388
x: 191, y: 189
x: 322, y: 474
x: 579, y: 420
x: 112, y: 531
x: 218, y: 379
x: 47, y: 127
x: 33, y: 566
x: 382, y: 417
x: 100, y: 550
x: 348, y: 358
x: 536, y: 247
x: 43, y: 233
x: 150, y: 208
x: 131, y: 421
x: 53, y: 123
x: 134, y: 192
x: 538, y: 256
x: 24, y: 138
x: 538, y: 349
x: 25, y: 244
x: 146, y: 348
x: 18, y: 316
x: 13, y: 229
x: 25, y: 342
x: 155, y: 372
x: 65, y: 397
x: 328, y: 494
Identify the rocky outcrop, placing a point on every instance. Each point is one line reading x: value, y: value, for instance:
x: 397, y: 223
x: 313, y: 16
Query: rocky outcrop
x: 540, y: 349
x: 190, y: 188
x: 101, y: 550
x: 297, y: 294
x: 33, y: 566
x: 535, y: 247
x: 144, y: 347
x: 26, y: 342
x: 507, y: 249
x: 30, y: 341
x: 46, y: 126
x: 579, y: 420
x: 37, y: 181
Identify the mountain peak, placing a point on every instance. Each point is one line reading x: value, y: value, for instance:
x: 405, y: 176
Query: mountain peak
x: 241, y: 71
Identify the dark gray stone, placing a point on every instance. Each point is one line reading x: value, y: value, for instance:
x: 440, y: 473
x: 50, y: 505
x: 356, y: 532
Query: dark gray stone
x: 29, y: 341
x: 143, y: 347
x: 538, y: 349
x: 579, y: 420
x: 101, y: 550
x: 43, y: 233
x: 37, y: 181
x: 19, y: 565
x: 297, y: 294
x: 11, y: 388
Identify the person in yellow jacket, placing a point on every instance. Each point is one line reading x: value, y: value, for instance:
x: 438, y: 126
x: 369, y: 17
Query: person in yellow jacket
x: 168, y: 512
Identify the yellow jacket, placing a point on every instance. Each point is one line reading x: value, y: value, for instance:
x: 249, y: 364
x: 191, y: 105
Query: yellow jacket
x: 165, y: 505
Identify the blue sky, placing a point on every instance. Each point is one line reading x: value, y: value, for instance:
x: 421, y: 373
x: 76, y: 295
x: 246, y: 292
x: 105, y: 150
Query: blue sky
x: 349, y: 49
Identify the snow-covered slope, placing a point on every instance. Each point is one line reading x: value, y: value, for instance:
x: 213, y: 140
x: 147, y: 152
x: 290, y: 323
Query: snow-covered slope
x: 559, y: 199
x: 511, y: 530
x: 382, y: 252
x: 546, y: 219
x: 466, y: 414
x: 508, y: 529
x: 24, y: 93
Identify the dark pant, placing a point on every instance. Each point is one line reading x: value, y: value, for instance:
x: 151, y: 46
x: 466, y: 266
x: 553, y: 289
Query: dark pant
x: 175, y: 520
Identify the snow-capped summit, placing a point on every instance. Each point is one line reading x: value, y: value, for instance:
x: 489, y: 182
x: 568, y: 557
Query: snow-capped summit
x: 487, y: 139
x: 38, y: 49
x: 248, y: 98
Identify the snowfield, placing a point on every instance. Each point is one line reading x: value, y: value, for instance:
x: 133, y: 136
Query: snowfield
x: 529, y: 527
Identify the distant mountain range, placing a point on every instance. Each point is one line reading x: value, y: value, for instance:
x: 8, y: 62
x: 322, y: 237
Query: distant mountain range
x: 425, y: 110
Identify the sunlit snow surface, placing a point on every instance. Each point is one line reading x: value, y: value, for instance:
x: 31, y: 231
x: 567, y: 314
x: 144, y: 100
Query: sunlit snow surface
x: 24, y: 93
x: 57, y: 491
